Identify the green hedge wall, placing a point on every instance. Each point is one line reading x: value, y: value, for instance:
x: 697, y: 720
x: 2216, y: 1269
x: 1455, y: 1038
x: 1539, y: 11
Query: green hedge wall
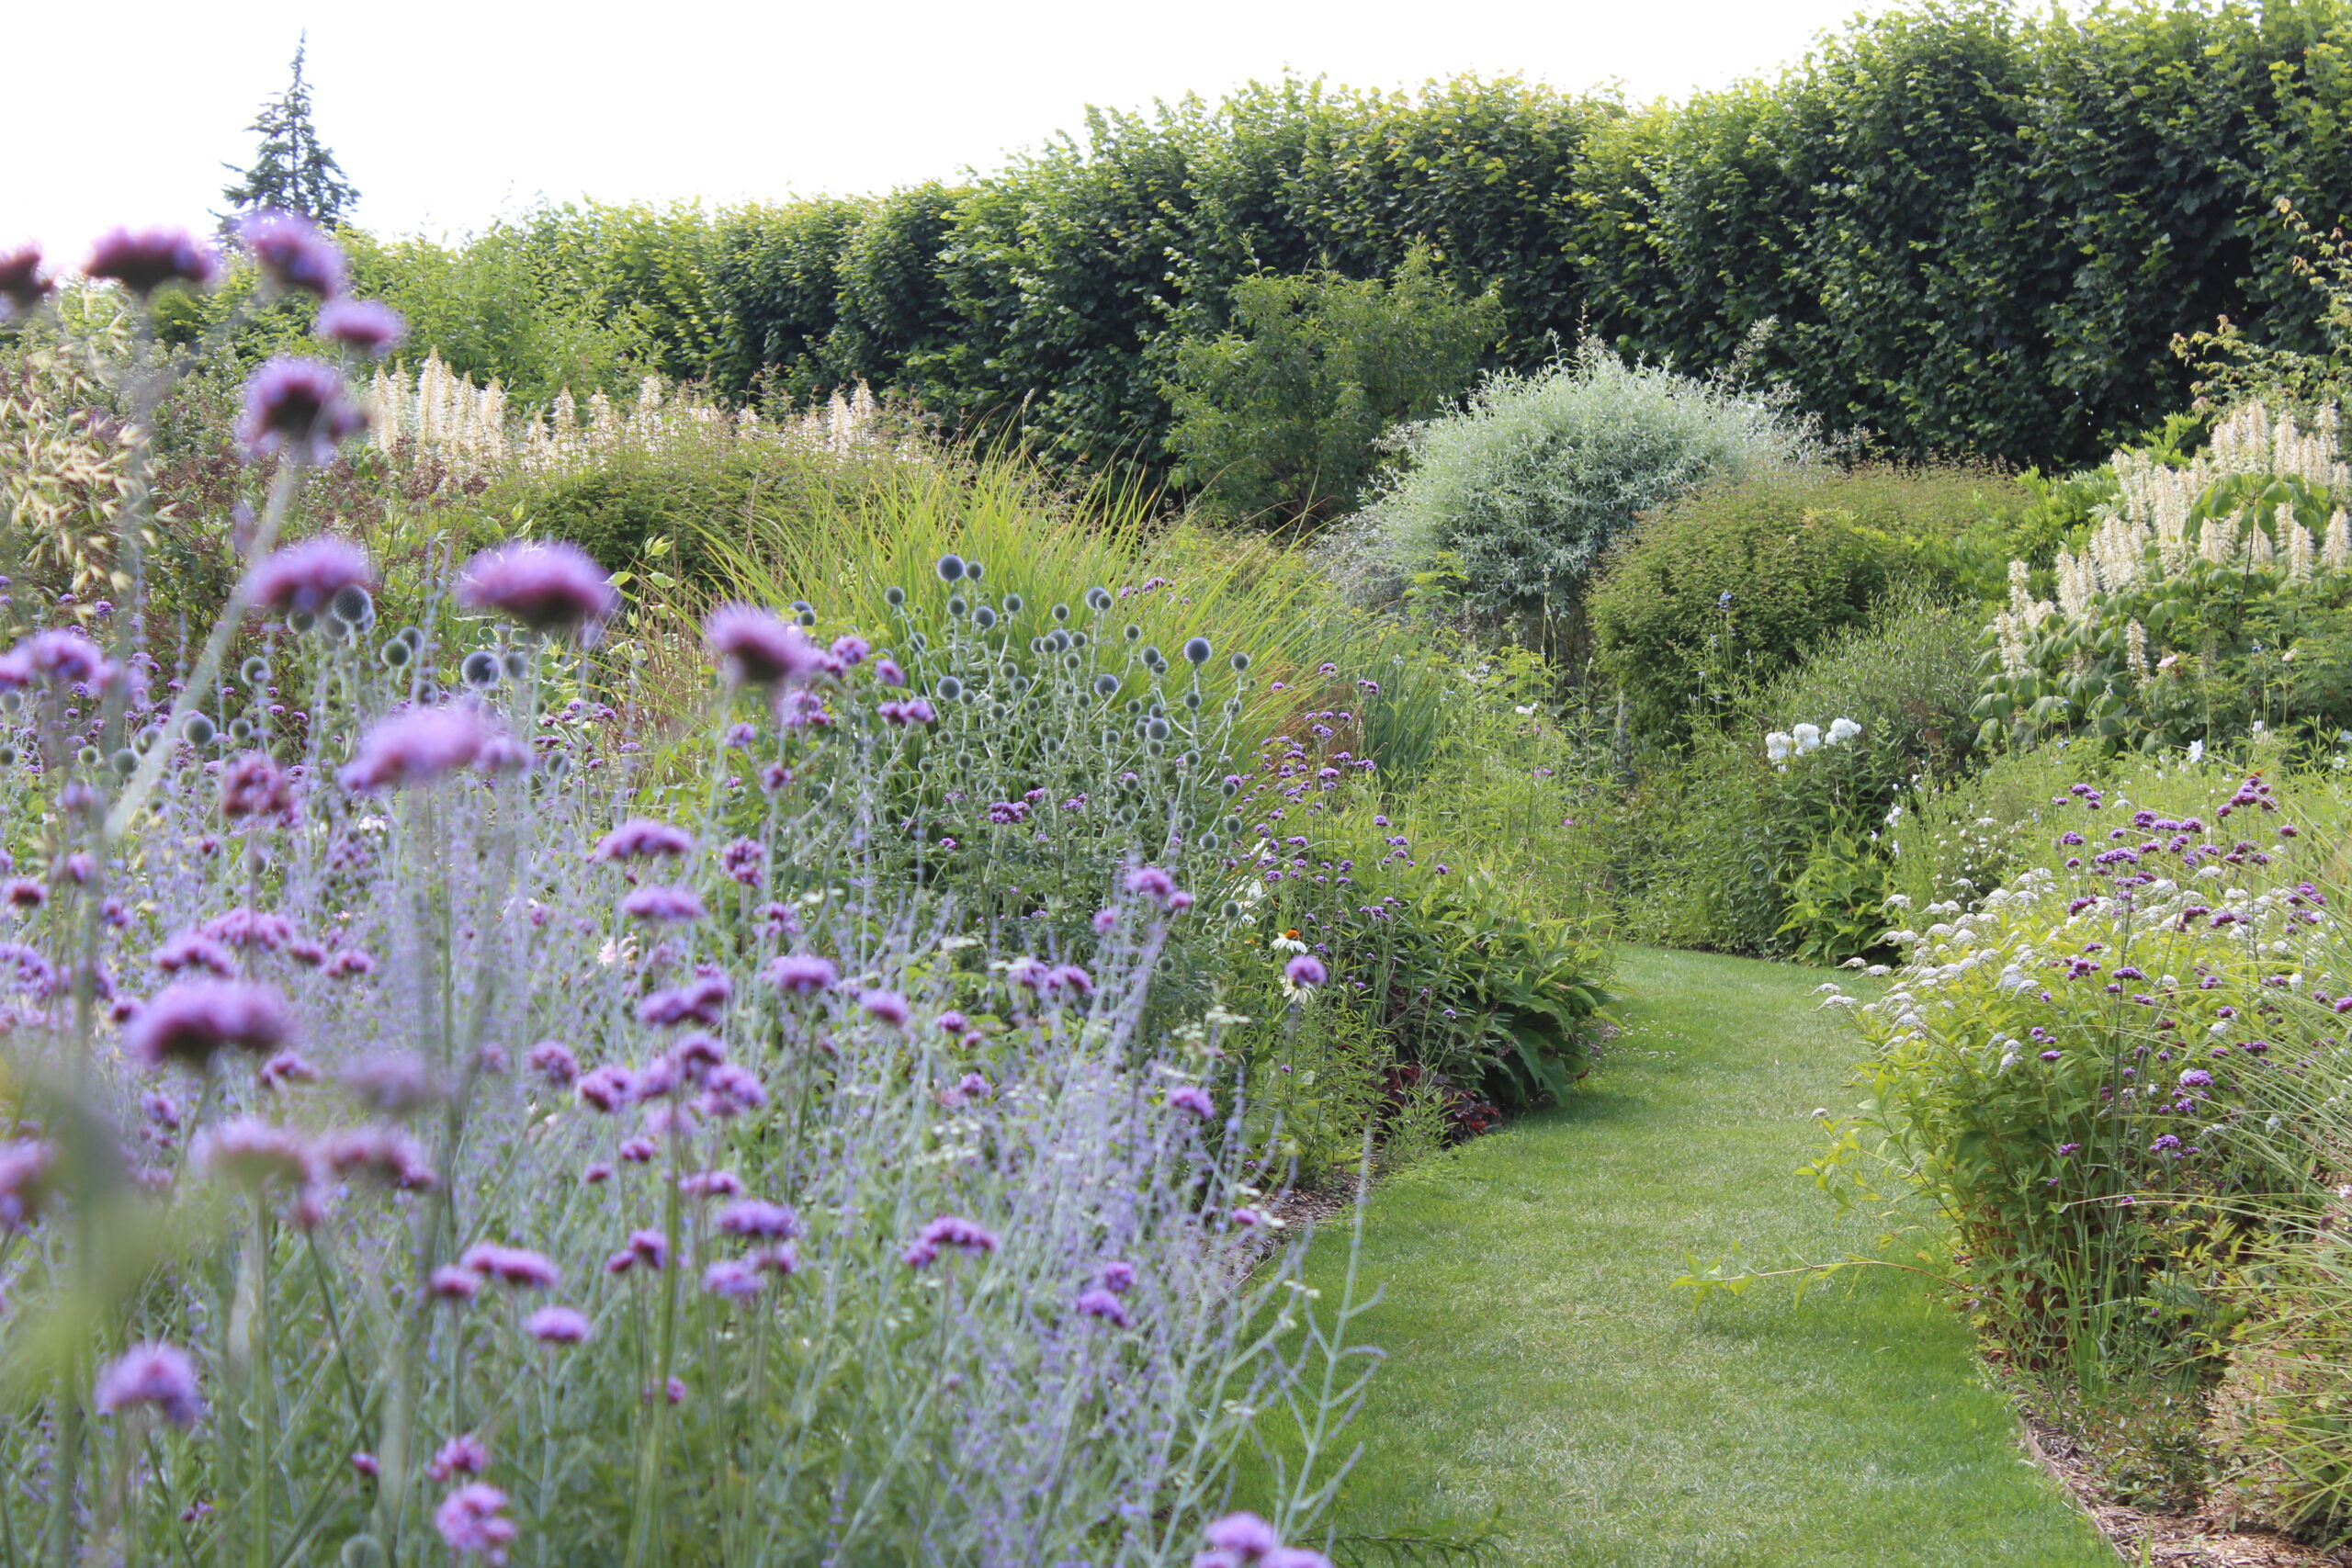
x: 1977, y: 231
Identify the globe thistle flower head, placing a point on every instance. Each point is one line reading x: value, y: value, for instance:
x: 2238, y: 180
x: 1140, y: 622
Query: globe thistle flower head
x: 155, y: 1374
x: 547, y: 587
x: 950, y: 568
x: 143, y: 260
x: 194, y: 1020
x: 755, y: 647
x: 1098, y: 598
x: 364, y: 326
x: 1197, y: 651
x: 23, y: 284
x: 300, y: 407
x: 292, y: 252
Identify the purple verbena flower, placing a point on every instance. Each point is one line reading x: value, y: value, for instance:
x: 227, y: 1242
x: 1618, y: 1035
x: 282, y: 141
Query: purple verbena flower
x: 472, y: 1524
x: 553, y: 1061
x: 1104, y: 1304
x: 143, y: 260
x: 364, y: 326
x: 756, y: 1219
x: 663, y: 904
x: 464, y: 1455
x: 886, y: 1007
x: 426, y: 745
x: 556, y: 1326
x: 293, y: 254
x: 307, y: 576
x: 1192, y: 1100
x: 802, y: 973
x: 300, y: 407
x: 191, y: 1020
x: 733, y: 1280
x: 547, y: 587
x: 755, y: 647
x: 516, y: 1266
x: 1305, y: 970
x: 23, y: 284
x: 152, y: 1373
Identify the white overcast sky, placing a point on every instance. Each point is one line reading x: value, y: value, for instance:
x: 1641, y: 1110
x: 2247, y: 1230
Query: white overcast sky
x: 446, y: 113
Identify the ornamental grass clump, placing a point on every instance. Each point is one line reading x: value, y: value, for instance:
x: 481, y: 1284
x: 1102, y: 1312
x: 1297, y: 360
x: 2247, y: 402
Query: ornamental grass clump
x: 439, y: 1123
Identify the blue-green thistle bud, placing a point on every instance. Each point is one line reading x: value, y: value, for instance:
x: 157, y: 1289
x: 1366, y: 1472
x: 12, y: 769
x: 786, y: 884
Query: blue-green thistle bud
x: 480, y: 669
x: 950, y: 568
x: 1197, y: 651
x: 1104, y: 685
x: 1100, y: 598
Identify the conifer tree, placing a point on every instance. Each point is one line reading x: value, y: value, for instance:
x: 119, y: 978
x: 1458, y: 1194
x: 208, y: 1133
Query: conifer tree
x: 292, y: 171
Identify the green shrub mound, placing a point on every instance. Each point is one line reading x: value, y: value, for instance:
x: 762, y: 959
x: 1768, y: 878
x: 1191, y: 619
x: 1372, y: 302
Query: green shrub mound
x: 1511, y: 503
x: 1742, y: 581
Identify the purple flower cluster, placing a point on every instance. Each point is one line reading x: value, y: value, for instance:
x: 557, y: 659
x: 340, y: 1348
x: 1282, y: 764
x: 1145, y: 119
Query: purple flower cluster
x: 548, y: 588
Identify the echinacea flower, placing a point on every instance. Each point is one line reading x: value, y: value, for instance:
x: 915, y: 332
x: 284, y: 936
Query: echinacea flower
x: 193, y: 1020
x: 300, y: 407
x: 547, y: 587
x: 292, y: 252
x: 151, y: 1373
x: 307, y: 576
x: 143, y: 260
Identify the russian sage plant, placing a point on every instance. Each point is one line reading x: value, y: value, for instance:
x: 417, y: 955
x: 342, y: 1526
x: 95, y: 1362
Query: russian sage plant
x: 447, y: 1116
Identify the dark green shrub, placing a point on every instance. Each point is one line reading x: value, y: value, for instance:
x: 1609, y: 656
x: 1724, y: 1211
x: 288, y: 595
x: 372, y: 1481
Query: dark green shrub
x: 1741, y: 581
x: 1276, y: 419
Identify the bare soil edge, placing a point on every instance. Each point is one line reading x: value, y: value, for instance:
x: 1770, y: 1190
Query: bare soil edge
x: 2165, y: 1540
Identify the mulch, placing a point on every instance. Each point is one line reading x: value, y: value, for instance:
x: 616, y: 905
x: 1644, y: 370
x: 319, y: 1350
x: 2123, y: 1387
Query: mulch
x: 2169, y: 1540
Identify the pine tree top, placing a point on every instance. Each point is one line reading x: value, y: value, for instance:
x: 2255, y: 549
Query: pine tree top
x: 292, y: 170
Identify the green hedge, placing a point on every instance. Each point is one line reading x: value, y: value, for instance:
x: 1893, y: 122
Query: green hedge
x: 1977, y: 231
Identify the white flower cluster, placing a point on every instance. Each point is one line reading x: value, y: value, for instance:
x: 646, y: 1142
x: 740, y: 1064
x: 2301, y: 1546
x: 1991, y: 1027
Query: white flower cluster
x: 1783, y: 746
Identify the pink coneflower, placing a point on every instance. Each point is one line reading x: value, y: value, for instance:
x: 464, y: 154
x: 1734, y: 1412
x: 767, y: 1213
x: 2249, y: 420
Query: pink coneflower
x: 364, y: 326
x: 756, y: 1219
x: 802, y: 973
x: 755, y: 647
x: 306, y: 577
x: 663, y: 904
x: 151, y: 1373
x: 300, y: 407
x: 292, y: 253
x: 556, y: 1326
x: 1192, y: 1100
x: 640, y: 838
x: 143, y: 260
x: 547, y: 587
x: 516, y: 1266
x: 191, y: 1020
x: 420, y: 747
x: 471, y: 1523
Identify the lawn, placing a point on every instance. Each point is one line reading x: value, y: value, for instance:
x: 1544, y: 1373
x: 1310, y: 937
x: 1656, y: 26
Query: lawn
x: 1547, y: 1384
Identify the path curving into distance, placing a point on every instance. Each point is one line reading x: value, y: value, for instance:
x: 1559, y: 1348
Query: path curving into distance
x: 1548, y: 1386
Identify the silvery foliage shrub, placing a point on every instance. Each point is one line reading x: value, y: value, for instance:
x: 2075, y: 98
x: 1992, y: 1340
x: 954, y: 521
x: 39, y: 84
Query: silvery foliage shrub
x: 435, y: 1127
x: 1516, y: 497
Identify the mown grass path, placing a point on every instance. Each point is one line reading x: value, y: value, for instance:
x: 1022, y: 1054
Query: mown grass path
x: 1545, y: 1378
